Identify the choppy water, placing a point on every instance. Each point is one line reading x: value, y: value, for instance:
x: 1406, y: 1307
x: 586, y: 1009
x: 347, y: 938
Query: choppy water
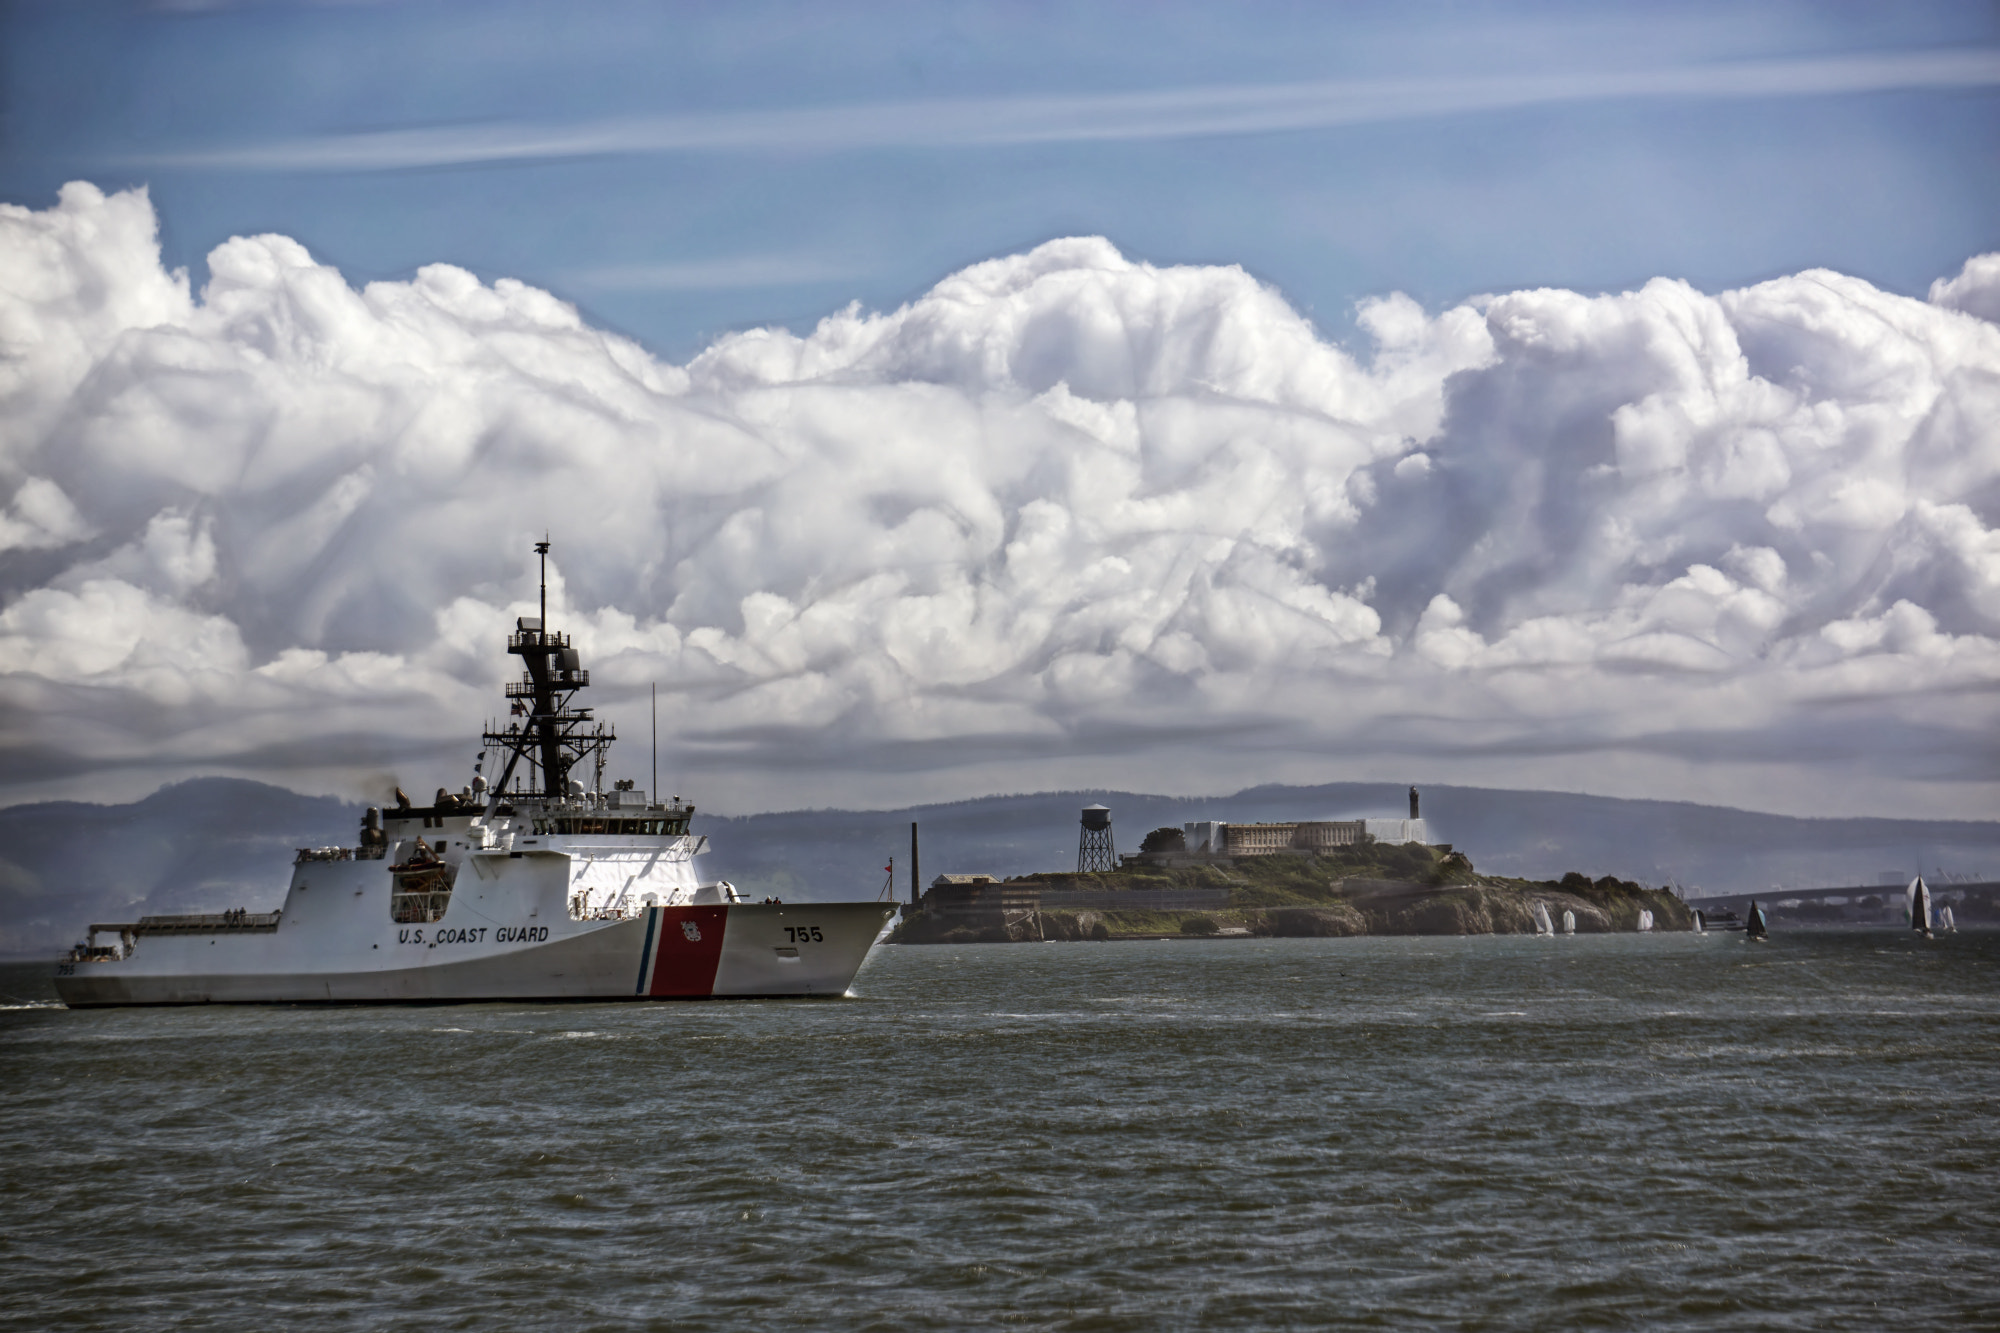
x: 1615, y: 1131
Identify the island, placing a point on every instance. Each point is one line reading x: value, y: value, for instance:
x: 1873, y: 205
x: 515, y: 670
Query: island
x: 1367, y: 887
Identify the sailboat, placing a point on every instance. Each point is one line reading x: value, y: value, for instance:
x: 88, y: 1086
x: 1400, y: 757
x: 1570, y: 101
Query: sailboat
x: 1543, y: 926
x: 1945, y: 923
x: 1645, y: 919
x: 1569, y: 922
x: 1757, y: 928
x: 1920, y: 907
x: 1700, y: 922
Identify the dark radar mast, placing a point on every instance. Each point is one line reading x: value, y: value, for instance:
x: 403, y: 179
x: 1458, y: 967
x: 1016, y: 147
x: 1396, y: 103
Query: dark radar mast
x: 553, y: 735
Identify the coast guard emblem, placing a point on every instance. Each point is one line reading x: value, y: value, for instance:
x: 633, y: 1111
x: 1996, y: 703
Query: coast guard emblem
x: 691, y: 930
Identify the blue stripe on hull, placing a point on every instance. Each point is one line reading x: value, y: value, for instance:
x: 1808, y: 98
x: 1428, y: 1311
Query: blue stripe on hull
x: 646, y: 954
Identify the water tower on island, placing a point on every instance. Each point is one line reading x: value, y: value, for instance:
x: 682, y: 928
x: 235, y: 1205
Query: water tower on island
x: 1094, y: 850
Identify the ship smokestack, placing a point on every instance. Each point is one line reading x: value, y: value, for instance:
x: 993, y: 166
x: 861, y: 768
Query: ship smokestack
x: 373, y: 839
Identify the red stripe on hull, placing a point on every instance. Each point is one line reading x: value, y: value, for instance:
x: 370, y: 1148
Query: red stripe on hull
x: 689, y: 949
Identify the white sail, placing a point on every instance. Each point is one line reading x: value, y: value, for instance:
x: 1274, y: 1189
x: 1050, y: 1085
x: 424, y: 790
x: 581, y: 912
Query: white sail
x: 1700, y: 922
x: 1645, y: 919
x: 1543, y: 926
x: 1945, y: 922
x: 1569, y: 922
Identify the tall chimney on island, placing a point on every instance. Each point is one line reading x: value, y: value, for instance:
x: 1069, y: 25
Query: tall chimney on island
x: 1413, y: 804
x: 916, y: 884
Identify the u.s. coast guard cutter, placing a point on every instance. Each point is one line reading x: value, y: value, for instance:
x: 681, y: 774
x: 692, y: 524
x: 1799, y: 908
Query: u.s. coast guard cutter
x: 534, y: 889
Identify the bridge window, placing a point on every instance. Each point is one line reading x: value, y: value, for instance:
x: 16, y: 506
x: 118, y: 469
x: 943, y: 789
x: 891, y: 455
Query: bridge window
x: 583, y: 825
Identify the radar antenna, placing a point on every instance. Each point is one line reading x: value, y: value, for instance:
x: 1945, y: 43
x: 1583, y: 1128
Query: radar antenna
x: 553, y: 735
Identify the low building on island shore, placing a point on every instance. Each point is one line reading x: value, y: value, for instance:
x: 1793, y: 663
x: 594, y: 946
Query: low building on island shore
x: 979, y: 895
x: 986, y: 897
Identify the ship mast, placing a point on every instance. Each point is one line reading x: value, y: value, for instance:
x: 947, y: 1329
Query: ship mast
x: 555, y: 736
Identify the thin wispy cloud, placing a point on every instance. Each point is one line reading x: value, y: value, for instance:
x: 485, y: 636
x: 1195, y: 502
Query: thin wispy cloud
x: 1177, y: 113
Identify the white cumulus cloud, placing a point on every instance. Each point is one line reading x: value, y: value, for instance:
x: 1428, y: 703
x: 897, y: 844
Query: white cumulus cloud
x: 1065, y: 519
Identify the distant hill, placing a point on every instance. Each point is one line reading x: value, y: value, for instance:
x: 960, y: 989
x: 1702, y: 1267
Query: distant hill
x: 195, y: 846
x: 216, y: 842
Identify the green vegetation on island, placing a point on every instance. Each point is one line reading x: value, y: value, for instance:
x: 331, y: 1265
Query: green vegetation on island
x: 1370, y: 888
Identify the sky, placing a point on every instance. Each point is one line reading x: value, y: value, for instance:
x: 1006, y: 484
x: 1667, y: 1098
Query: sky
x: 937, y: 400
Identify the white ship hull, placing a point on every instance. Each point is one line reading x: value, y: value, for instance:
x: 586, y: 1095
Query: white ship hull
x: 663, y: 953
